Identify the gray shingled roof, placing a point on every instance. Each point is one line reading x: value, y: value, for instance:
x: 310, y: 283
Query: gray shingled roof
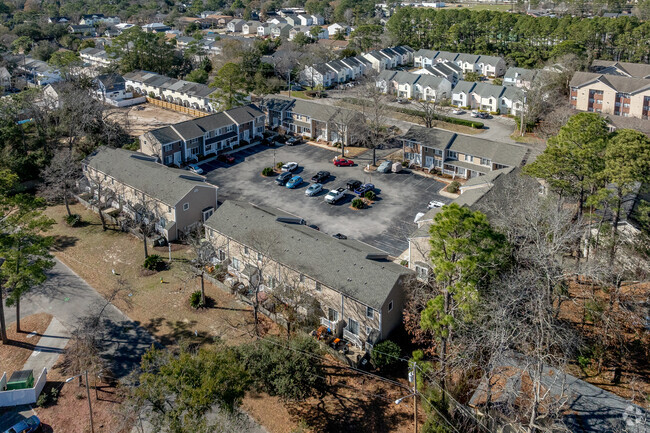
x: 464, y: 87
x: 343, y: 265
x: 619, y: 83
x: 490, y: 60
x: 430, y: 81
x: 314, y: 110
x: 514, y: 73
x: 446, y: 55
x: 431, y: 137
x: 142, y: 172
x: 244, y: 113
x: 469, y: 58
x: 637, y: 70
x: 501, y: 153
x: 166, y: 135
x: 486, y: 90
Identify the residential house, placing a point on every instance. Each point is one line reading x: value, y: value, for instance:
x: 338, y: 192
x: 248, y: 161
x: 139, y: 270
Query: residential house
x: 316, y: 75
x: 468, y: 62
x: 487, y: 97
x: 264, y: 29
x: 176, y: 200
x: 461, y: 95
x: 236, y: 25
x: 512, y: 101
x: 359, y: 292
x: 379, y: 61
x: 406, y: 54
x: 460, y: 156
x: 277, y: 20
x: 333, y: 44
x: 298, y: 29
x: 446, y: 56
x: 217, y: 133
x: 305, y: 20
x: 491, y: 66
x: 430, y: 88
x: 91, y: 19
x: 448, y: 70
x: 582, y: 407
x: 281, y: 30
x: 342, y: 72
x: 519, y: 77
x: 334, y: 29
x: 36, y: 72
x: 5, y: 78
x: 292, y: 20
x: 206, y: 14
x: 318, y: 20
x: 97, y: 58
x: 111, y: 87
x: 58, y: 20
x: 123, y: 26
x: 631, y: 70
x: 81, y: 29
x: 310, y: 119
x: 422, y: 58
x: 405, y: 84
x: 155, y: 28
x: 250, y: 27
x: 611, y: 94
x: 172, y: 90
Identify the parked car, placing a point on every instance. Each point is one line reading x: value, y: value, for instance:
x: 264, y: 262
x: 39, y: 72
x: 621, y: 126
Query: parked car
x: 228, y: 159
x: 289, y: 166
x: 342, y: 162
x: 293, y: 141
x: 353, y: 184
x: 320, y: 176
x: 339, y: 236
x: 385, y: 167
x: 194, y: 168
x: 335, y: 195
x: 314, y: 226
x: 28, y: 425
x: 457, y: 111
x: 474, y: 113
x: 435, y: 203
x: 402, y: 101
x: 294, y: 182
x: 364, y: 189
x: 314, y: 189
x: 283, y: 178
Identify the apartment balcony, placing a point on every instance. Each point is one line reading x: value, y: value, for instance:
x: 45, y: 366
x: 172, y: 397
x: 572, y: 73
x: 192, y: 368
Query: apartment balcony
x: 325, y: 322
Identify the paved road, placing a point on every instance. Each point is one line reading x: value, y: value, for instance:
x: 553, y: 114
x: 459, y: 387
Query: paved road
x: 68, y: 297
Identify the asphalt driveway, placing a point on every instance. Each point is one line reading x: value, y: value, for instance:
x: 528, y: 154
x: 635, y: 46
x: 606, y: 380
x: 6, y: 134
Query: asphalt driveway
x: 385, y: 225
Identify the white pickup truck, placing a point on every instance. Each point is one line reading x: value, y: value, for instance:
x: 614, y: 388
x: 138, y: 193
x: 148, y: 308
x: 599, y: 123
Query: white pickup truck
x: 334, y: 195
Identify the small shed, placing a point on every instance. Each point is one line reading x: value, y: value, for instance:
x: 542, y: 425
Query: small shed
x: 21, y: 380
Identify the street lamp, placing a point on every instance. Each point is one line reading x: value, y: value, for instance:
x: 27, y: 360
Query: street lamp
x: 90, y: 407
x: 399, y: 400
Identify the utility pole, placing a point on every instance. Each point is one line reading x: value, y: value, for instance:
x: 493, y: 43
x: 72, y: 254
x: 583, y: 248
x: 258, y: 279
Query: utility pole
x: 415, y: 397
x: 522, y: 127
x: 90, y: 407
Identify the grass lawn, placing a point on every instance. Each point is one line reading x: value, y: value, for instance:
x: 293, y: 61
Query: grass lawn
x: 297, y: 94
x: 160, y: 307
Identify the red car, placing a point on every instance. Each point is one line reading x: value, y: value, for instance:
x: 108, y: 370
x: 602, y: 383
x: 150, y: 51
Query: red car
x: 226, y: 158
x: 343, y: 162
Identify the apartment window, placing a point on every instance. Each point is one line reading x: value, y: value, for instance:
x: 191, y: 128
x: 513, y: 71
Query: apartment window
x: 485, y: 161
x: 259, y: 257
x: 468, y: 158
x: 370, y: 313
x: 332, y: 315
x: 368, y: 330
x: 271, y: 282
x: 221, y: 255
x: 301, y: 278
x: 167, y: 148
x: 235, y: 263
x: 353, y: 326
x: 437, y: 152
x: 319, y: 288
x: 186, y: 206
x: 246, y: 251
x: 390, y: 306
x: 453, y: 155
x: 422, y: 272
x: 207, y: 213
x: 169, y: 159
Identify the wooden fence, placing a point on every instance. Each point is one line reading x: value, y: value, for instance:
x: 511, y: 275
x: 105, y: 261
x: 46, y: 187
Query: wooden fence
x: 175, y: 107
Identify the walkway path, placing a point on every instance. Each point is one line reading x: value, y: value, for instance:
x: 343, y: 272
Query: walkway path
x: 49, y: 348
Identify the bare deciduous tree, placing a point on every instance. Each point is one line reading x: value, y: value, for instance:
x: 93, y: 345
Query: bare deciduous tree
x: 60, y: 177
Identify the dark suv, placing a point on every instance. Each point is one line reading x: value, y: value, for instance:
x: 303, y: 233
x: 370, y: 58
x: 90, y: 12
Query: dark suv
x: 353, y: 184
x: 283, y: 178
x: 320, y: 176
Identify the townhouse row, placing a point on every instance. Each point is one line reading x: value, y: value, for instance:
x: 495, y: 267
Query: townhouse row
x: 457, y: 155
x: 414, y: 86
x: 210, y: 135
x: 359, y: 293
x: 176, y: 201
x: 488, y: 66
x: 351, y: 68
x: 616, y: 88
x: 180, y: 92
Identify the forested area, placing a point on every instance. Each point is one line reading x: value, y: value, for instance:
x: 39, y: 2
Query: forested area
x: 523, y: 40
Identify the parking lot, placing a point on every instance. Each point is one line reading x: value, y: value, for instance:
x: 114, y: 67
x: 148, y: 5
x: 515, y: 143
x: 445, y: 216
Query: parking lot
x: 385, y: 224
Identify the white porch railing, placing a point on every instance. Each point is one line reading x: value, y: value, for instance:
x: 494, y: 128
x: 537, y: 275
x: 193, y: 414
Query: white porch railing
x: 328, y: 323
x: 353, y: 338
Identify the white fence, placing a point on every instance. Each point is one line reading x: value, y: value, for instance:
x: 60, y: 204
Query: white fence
x: 17, y: 397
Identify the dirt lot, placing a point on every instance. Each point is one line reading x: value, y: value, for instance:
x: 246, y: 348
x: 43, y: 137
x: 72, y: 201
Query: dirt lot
x: 14, y: 355
x: 145, y: 117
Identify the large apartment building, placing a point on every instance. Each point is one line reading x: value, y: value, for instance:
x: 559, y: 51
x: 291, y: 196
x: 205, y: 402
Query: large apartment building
x: 193, y: 139
x: 176, y: 200
x: 359, y: 290
x: 310, y: 119
x: 460, y: 156
x: 619, y: 95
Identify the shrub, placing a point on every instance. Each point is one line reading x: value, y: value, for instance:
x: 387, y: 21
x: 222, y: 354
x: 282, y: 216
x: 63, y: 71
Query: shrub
x: 279, y: 164
x: 404, y: 263
x: 134, y: 145
x: 47, y: 399
x: 195, y: 300
x: 405, y: 163
x: 357, y: 203
x: 385, y: 354
x: 370, y: 195
x: 73, y: 220
x: 268, y: 171
x: 154, y: 263
x: 453, y: 187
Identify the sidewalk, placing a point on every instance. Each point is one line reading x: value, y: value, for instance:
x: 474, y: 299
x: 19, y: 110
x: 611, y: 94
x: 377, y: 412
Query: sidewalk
x: 49, y: 348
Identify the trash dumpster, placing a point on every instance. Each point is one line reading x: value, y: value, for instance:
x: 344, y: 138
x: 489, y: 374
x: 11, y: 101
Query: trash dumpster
x: 21, y: 380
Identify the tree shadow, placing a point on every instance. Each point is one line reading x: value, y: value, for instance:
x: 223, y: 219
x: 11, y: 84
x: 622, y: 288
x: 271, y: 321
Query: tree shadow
x: 61, y: 242
x: 178, y: 331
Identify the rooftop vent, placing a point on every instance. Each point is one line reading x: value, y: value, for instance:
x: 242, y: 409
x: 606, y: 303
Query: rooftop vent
x: 289, y: 220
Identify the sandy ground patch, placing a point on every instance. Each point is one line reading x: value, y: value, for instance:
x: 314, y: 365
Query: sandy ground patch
x: 14, y: 355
